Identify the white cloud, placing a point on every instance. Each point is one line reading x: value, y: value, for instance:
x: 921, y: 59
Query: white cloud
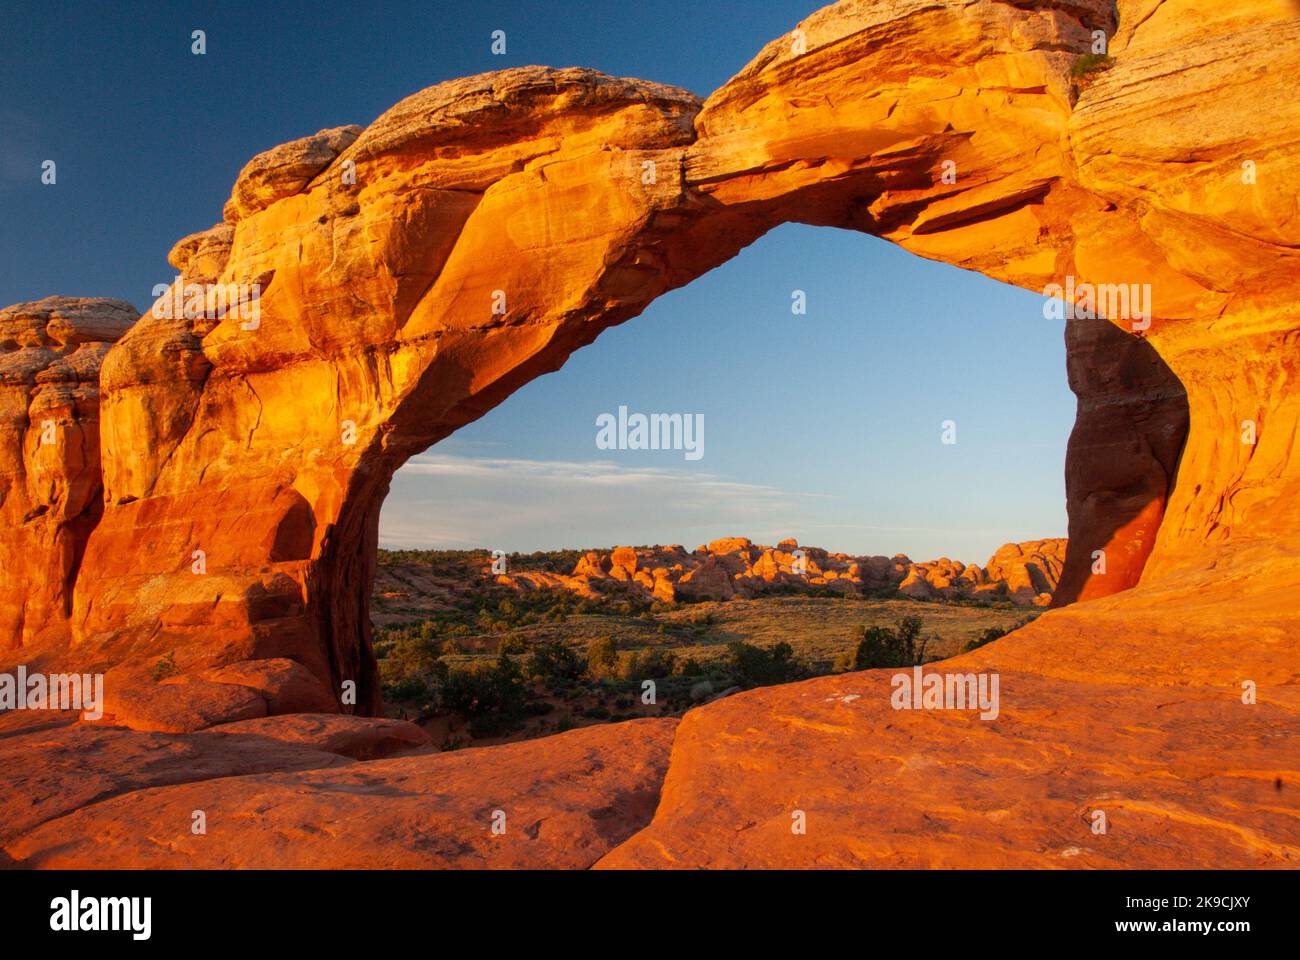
x: 450, y: 501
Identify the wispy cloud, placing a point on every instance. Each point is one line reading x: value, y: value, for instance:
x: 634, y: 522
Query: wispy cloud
x: 449, y: 501
x: 452, y: 501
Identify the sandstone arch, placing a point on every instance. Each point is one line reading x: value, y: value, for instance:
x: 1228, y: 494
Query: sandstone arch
x: 376, y: 302
x: 376, y: 310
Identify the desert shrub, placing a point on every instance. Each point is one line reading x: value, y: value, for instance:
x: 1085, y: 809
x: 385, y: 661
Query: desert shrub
x: 165, y: 667
x: 553, y: 661
x: 409, y: 659
x: 985, y: 637
x: 551, y: 561
x: 602, y: 658
x: 1090, y: 63
x: 689, y: 667
x: 755, y: 667
x: 876, y: 647
x: 989, y: 635
x: 596, y: 713
x: 407, y: 688
x: 514, y: 646
x: 651, y: 664
x: 491, y: 697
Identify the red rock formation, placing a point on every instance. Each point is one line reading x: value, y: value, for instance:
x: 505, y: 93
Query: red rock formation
x: 1025, y: 573
x: 269, y: 447
x: 496, y: 224
x: 50, y: 492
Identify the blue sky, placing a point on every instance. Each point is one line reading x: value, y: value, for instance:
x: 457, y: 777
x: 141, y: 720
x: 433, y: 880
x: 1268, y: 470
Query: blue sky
x: 824, y: 426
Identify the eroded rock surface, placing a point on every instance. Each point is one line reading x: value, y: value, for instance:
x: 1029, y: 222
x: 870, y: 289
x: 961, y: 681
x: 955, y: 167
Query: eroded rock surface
x: 562, y: 802
x: 50, y: 489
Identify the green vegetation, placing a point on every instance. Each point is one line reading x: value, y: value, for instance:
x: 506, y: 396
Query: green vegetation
x: 755, y: 667
x: 602, y: 658
x: 478, y: 660
x: 884, y: 647
x: 165, y: 667
x: 1091, y: 63
x: 552, y: 660
x: 453, y: 561
x: 491, y: 697
x: 990, y: 634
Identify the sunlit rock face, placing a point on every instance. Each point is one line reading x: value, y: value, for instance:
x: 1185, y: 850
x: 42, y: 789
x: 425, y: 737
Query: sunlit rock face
x: 1025, y: 574
x: 1149, y: 169
x: 50, y: 492
x: 402, y: 281
x: 411, y: 275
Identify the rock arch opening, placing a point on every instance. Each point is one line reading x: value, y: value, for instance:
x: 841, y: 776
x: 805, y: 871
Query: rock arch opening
x: 821, y: 362
x: 913, y: 356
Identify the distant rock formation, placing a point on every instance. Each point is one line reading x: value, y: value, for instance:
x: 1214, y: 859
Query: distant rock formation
x: 1022, y: 573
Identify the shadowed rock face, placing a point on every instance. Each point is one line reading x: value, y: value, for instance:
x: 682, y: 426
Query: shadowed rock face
x: 480, y: 231
x: 1121, y: 459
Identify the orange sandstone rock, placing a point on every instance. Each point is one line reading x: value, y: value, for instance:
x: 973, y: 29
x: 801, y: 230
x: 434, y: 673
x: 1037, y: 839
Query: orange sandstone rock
x: 498, y: 223
x: 50, y: 489
x: 560, y: 802
x: 361, y: 738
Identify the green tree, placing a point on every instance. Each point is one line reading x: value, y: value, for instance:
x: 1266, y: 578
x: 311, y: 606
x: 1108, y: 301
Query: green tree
x: 876, y: 647
x: 755, y: 667
x: 650, y: 664
x: 602, y: 658
x: 553, y: 661
x: 491, y: 697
